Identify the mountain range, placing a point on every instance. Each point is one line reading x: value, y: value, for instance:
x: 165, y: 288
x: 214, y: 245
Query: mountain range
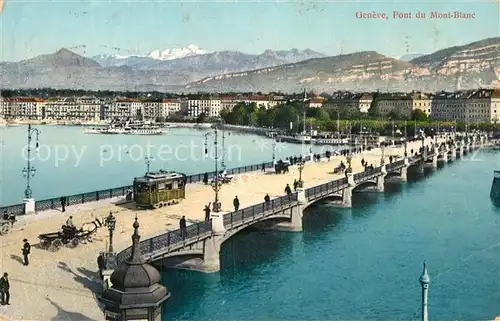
x: 192, y: 69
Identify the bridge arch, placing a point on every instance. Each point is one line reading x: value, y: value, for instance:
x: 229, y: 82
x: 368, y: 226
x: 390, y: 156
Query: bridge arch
x: 365, y: 184
x: 393, y: 174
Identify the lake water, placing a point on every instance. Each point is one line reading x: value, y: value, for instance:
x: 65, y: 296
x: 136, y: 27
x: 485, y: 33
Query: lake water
x: 70, y: 161
x: 363, y: 263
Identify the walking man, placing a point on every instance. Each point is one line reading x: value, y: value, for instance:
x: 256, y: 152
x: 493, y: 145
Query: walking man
x: 207, y: 211
x: 182, y: 225
x: 288, y: 190
x: 101, y: 264
x: 5, y: 289
x: 26, y: 251
x: 295, y: 184
x: 63, y: 204
x: 267, y: 199
x: 236, y: 203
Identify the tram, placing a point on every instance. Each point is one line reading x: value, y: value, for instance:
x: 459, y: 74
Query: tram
x: 157, y: 189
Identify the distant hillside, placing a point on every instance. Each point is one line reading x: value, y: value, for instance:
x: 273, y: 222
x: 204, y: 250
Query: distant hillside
x: 460, y: 67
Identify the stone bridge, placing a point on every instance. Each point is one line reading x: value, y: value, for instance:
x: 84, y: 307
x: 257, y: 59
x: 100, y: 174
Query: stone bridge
x: 199, y: 248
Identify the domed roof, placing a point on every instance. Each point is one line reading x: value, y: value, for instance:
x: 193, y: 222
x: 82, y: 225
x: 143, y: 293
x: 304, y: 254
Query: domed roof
x: 135, y: 273
x: 135, y: 283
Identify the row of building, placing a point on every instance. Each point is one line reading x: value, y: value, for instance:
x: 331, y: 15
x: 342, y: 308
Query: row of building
x: 482, y: 105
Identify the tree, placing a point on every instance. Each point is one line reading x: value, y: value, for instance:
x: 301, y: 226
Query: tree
x: 418, y: 115
x: 201, y: 118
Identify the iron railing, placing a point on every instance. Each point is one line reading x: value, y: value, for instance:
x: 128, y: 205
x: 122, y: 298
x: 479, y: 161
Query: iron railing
x: 394, y: 165
x: 257, y: 211
x: 367, y: 174
x: 55, y: 203
x: 326, y: 188
x: 169, y: 239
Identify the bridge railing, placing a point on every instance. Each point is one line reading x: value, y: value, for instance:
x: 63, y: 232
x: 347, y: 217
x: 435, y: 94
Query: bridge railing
x: 164, y: 241
x: 394, y: 165
x: 251, y: 213
x: 367, y: 174
x: 82, y: 198
x: 326, y: 188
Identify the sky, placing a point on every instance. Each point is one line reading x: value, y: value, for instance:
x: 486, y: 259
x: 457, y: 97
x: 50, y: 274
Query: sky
x: 33, y: 27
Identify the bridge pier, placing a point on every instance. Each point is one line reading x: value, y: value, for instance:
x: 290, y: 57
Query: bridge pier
x: 381, y: 179
x: 347, y: 192
x: 453, y: 152
x: 212, y: 245
x: 404, y: 170
x: 435, y: 160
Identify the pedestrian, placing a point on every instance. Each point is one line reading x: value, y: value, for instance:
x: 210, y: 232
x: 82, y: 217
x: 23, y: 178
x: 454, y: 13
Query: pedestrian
x: 5, y: 289
x: 26, y: 251
x: 236, y: 203
x: 390, y: 159
x: 205, y: 178
x: 63, y: 204
x: 263, y: 167
x: 295, y: 184
x: 288, y: 190
x: 182, y: 225
x: 207, y: 211
x: 267, y: 200
x: 69, y: 222
x: 101, y: 264
x: 5, y: 215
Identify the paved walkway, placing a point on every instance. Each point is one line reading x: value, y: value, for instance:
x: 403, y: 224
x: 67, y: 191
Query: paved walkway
x: 61, y: 285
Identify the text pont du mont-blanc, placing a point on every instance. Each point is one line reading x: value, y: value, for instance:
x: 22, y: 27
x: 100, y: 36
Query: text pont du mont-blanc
x: 416, y: 15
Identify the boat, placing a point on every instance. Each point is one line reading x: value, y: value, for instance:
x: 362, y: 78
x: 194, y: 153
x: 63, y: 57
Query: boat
x: 128, y: 128
x: 13, y: 125
x: 298, y: 139
x: 203, y: 126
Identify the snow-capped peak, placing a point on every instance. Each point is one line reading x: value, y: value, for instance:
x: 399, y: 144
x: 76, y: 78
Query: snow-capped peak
x: 176, y: 53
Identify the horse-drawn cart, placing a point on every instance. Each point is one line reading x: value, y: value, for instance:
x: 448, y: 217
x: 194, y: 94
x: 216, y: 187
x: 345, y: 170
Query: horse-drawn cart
x: 69, y: 236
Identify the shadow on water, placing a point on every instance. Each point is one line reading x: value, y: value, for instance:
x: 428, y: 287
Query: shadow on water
x: 322, y: 219
x: 185, y: 286
x: 251, y: 248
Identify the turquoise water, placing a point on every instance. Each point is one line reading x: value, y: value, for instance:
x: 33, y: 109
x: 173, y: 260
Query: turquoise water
x: 71, y: 162
x: 363, y: 263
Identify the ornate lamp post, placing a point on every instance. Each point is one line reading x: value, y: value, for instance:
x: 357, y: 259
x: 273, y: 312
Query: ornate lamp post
x: 406, y: 141
x: 29, y: 171
x: 300, y: 166
x: 216, y: 186
x: 147, y: 161
x: 111, y: 223
x: 223, y: 165
x: 349, y: 160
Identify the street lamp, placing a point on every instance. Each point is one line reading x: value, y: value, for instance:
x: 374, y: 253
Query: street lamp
x: 349, y: 160
x: 111, y: 223
x: 300, y: 166
x: 29, y: 171
x: 147, y: 161
x: 223, y: 165
x: 406, y: 141
x: 216, y: 186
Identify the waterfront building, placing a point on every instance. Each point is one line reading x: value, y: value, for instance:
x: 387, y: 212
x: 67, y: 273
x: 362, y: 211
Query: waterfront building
x: 136, y: 292
x: 394, y: 102
x: 22, y: 108
x: 228, y: 102
x: 349, y: 103
x: 316, y: 102
x: 469, y: 106
x: 422, y: 101
x: 205, y: 105
x: 171, y: 106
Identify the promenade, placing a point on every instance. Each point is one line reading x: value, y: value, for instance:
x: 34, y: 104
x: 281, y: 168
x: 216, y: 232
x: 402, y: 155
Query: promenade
x: 61, y: 285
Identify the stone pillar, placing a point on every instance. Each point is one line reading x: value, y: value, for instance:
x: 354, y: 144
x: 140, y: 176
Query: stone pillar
x: 298, y: 211
x: 381, y: 179
x: 29, y: 206
x: 461, y: 151
x: 435, y: 160
x: 211, y: 249
x: 404, y: 170
x: 453, y: 152
x: 347, y: 192
x: 445, y: 156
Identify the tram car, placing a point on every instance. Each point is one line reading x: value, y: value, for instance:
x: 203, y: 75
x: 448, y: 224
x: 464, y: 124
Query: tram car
x: 157, y: 189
